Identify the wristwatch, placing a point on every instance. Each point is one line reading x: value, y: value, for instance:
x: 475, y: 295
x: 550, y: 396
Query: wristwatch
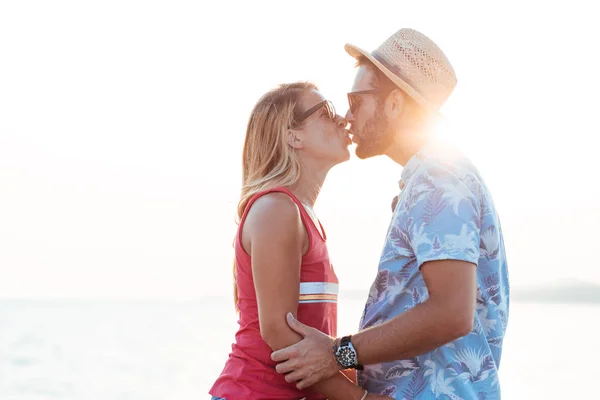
x: 345, y: 354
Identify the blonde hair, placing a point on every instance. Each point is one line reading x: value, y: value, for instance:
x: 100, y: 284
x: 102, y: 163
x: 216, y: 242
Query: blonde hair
x: 267, y: 159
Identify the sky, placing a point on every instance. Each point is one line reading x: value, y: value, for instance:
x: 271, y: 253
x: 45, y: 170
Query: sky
x: 122, y: 125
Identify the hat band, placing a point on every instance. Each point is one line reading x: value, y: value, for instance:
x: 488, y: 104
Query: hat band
x: 396, y: 70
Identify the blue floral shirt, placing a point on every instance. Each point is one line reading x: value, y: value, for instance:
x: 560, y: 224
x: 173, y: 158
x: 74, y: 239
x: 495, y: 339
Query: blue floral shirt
x: 444, y: 211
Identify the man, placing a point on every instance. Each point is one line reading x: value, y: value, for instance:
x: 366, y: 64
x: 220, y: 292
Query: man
x: 436, y: 314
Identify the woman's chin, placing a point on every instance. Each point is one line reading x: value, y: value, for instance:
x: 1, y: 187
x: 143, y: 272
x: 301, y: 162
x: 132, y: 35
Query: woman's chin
x: 346, y: 155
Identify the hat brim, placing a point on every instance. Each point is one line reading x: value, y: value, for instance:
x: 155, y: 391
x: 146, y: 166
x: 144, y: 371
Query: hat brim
x: 357, y: 52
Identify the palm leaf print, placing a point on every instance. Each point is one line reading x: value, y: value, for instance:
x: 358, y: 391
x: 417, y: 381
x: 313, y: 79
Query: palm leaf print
x: 490, y: 243
x: 381, y: 282
x: 389, y: 391
x: 434, y: 205
x: 400, y: 240
x: 403, y: 369
x: 416, y: 385
x: 492, y: 288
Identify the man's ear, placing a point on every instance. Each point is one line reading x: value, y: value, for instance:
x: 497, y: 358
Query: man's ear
x: 395, y: 104
x: 294, y: 140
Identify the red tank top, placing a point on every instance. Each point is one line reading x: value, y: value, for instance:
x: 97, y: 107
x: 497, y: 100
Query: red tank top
x: 249, y: 373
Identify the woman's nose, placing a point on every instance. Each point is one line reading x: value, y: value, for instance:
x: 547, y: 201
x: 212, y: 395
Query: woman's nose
x: 349, y: 117
x: 341, y: 121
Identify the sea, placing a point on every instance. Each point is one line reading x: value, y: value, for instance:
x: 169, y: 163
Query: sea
x: 172, y: 350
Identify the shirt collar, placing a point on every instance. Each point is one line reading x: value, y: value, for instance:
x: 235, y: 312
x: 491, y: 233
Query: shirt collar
x: 415, y: 162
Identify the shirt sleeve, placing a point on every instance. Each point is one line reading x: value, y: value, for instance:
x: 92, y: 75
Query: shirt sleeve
x: 444, y: 217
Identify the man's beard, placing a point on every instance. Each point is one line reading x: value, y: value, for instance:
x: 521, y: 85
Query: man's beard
x: 375, y: 137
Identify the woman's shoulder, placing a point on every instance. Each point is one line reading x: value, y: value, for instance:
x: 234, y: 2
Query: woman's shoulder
x: 274, y: 203
x: 273, y: 220
x: 274, y: 208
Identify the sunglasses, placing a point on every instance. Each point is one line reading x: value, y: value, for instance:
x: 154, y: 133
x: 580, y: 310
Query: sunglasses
x: 354, y: 99
x: 328, y: 105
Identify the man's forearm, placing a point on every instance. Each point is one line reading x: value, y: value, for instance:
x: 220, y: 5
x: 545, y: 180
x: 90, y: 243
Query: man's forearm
x: 338, y: 387
x: 425, y: 327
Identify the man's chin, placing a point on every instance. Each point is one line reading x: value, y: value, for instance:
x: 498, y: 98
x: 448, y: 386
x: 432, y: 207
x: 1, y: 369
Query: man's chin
x: 363, y: 153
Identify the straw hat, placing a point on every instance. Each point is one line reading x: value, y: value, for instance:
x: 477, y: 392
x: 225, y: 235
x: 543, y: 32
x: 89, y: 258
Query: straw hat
x: 415, y: 64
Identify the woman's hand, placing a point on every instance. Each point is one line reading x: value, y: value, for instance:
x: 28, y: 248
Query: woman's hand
x: 394, y: 203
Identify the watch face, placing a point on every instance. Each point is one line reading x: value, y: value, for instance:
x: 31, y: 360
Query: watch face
x: 346, y: 356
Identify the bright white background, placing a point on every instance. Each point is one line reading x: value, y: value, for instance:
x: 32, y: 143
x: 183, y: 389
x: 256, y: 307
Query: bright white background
x: 122, y: 122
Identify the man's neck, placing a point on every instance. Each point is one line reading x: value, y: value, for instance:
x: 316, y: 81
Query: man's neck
x: 405, y: 147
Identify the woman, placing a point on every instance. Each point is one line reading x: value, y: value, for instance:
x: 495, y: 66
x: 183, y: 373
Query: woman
x: 293, y: 139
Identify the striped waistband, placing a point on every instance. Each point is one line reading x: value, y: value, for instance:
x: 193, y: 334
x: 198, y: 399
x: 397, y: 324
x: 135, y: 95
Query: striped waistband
x: 318, y: 292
